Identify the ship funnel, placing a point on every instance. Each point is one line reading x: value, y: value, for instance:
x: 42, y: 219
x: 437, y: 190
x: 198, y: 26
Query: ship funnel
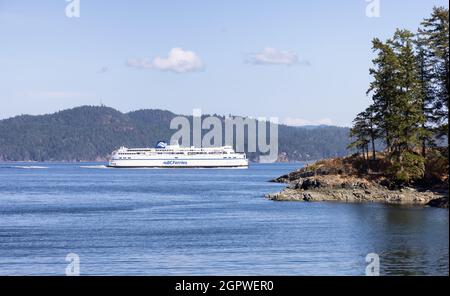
x: 161, y: 145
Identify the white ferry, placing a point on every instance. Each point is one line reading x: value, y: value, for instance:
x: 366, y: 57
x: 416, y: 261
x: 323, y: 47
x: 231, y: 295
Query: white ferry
x: 175, y: 156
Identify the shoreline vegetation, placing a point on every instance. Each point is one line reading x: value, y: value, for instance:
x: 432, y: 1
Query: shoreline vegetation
x: 348, y: 179
x: 408, y: 114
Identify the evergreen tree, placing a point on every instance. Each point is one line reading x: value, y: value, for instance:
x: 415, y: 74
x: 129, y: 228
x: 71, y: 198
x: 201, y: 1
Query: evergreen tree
x: 407, y: 113
x: 434, y: 34
x: 365, y: 132
x: 383, y: 89
x: 372, y: 128
x: 406, y: 105
x: 410, y: 91
x: 424, y: 68
x: 397, y: 113
x: 360, y: 133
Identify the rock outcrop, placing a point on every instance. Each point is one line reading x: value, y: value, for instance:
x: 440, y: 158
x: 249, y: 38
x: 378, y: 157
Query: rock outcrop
x: 336, y: 180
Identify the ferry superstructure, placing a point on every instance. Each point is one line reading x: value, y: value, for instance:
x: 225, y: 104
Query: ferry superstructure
x: 175, y: 156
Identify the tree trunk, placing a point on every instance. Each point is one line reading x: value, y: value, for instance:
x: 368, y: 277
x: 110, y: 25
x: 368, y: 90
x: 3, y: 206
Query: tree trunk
x: 367, y: 151
x: 388, y: 143
x: 424, y: 147
x: 373, y: 149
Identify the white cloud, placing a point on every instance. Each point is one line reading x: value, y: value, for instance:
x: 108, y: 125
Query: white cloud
x: 177, y: 60
x: 301, y: 122
x: 272, y: 56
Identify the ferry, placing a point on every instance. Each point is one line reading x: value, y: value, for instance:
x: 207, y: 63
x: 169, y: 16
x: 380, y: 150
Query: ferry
x: 175, y: 156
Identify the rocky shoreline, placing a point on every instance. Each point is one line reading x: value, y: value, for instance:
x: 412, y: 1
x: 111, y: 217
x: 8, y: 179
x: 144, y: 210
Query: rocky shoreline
x: 322, y: 183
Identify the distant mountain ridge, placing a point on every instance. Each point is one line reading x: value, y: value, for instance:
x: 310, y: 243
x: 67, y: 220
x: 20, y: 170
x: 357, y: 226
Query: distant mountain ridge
x: 91, y: 133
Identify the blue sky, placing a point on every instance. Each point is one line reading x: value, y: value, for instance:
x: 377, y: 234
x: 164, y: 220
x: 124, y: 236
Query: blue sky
x: 305, y: 62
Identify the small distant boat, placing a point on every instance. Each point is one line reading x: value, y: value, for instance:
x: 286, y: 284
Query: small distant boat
x: 175, y: 156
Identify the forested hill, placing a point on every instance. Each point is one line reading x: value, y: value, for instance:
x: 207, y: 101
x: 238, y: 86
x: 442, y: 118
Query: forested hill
x: 92, y: 132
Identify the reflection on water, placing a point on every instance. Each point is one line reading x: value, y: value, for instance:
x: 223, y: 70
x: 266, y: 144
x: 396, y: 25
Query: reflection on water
x: 409, y: 240
x: 167, y: 222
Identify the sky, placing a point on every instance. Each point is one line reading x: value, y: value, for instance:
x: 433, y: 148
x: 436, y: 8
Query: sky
x: 305, y: 62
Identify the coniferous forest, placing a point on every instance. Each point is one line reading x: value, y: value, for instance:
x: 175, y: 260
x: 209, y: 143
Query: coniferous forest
x: 91, y: 133
x: 410, y: 101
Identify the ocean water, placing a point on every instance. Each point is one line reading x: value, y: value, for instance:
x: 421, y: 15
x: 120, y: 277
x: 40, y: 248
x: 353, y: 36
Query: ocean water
x: 201, y: 222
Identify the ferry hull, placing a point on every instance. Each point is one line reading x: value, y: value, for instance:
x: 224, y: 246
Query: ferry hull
x: 184, y: 163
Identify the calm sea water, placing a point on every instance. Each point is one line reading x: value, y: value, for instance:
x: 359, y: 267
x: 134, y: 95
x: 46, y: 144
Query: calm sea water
x: 201, y: 222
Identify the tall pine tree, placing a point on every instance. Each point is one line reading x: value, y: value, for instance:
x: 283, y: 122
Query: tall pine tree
x: 424, y: 68
x: 434, y: 36
x: 383, y: 89
x: 407, y: 115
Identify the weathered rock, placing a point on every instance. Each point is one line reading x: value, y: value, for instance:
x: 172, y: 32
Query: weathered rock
x: 307, y: 197
x: 296, y: 175
x: 439, y: 203
x: 310, y: 183
x: 337, y: 180
x: 409, y: 197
